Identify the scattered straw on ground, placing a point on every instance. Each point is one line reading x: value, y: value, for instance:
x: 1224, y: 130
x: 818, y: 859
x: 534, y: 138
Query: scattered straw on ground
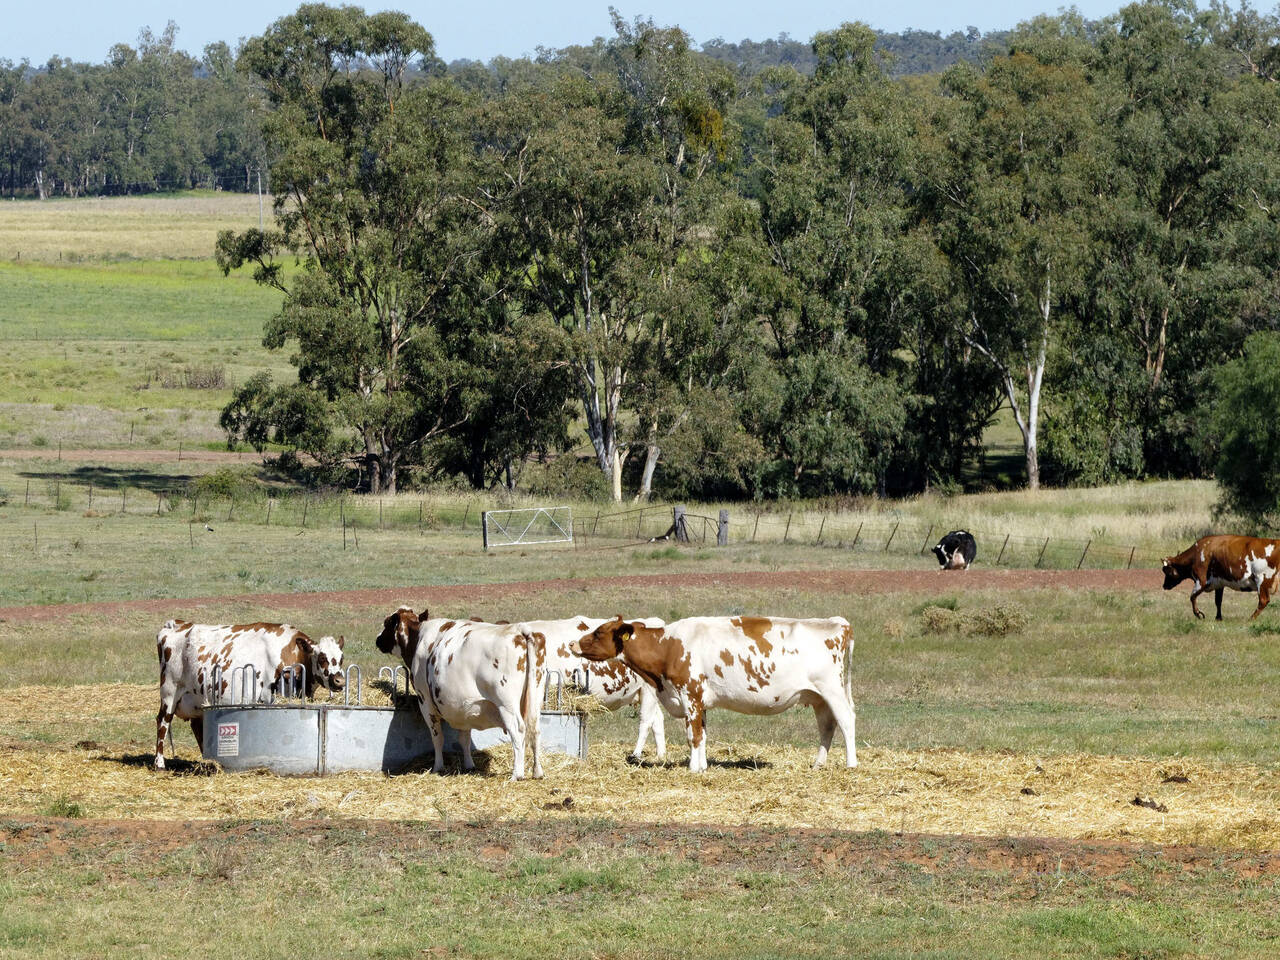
x: 934, y: 791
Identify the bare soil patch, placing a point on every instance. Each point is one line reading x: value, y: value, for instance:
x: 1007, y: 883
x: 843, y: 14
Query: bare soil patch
x: 455, y: 597
x: 32, y: 843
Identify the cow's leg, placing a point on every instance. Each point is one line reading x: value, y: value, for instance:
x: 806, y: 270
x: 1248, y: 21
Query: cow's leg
x: 435, y: 723
x: 695, y: 728
x: 650, y: 719
x: 840, y: 706
x: 1195, y: 593
x: 163, y: 719
x: 1264, y: 595
x: 1217, y: 599
x: 197, y: 727
x: 513, y: 724
x: 826, y: 730
x: 464, y: 741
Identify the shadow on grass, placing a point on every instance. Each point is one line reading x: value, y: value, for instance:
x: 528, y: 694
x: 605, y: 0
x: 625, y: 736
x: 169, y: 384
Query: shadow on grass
x: 452, y: 765
x: 175, y: 766
x: 740, y: 763
x: 105, y: 479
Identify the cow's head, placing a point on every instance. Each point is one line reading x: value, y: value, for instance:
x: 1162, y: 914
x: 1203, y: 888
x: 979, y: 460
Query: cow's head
x: 400, y: 630
x: 941, y: 554
x: 604, y: 642
x: 325, y: 662
x: 1174, y: 573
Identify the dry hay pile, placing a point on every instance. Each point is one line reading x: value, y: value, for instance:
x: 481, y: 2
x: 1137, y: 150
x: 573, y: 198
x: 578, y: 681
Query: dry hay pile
x: 932, y: 791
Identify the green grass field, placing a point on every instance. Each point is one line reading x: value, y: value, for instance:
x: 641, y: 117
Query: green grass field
x: 589, y: 889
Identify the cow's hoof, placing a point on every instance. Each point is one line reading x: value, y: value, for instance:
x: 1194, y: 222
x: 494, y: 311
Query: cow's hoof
x: 1199, y: 615
x: 159, y: 763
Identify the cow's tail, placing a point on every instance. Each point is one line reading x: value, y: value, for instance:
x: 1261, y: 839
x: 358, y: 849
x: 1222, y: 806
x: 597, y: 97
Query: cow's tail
x: 848, y: 664
x: 531, y: 695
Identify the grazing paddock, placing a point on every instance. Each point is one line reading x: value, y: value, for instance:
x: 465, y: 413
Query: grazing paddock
x: 173, y: 226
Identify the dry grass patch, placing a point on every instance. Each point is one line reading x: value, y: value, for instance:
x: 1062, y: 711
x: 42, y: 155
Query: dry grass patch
x: 1074, y: 796
x: 163, y: 227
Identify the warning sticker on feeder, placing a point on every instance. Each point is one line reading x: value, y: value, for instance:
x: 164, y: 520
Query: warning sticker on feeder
x: 228, y: 739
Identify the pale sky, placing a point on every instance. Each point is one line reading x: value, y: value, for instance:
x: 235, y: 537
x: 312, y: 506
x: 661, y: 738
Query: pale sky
x: 85, y: 30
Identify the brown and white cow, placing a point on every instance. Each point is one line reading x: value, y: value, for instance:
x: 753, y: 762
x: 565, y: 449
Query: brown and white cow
x: 1247, y: 564
x: 610, y: 681
x: 756, y: 665
x: 472, y: 675
x: 189, y: 652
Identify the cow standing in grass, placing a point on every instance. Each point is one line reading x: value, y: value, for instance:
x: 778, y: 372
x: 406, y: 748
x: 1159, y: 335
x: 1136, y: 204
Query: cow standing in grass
x: 472, y: 675
x: 190, y: 652
x: 756, y: 665
x: 1247, y: 564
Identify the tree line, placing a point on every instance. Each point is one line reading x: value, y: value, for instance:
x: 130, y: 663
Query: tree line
x: 762, y: 283
x: 153, y: 117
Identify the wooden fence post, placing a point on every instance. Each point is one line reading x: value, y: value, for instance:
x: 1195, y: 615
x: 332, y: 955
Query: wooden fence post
x: 91, y: 496
x: 269, y: 503
x: 1040, y: 558
x: 26, y: 501
x: 891, y: 535
x: 722, y: 531
x: 306, y: 502
x: 857, y: 535
x: 1083, y: 555
x: 1006, y: 543
x: 1131, y: 552
x: 484, y: 528
x: 927, y: 537
x: 786, y: 532
x: 756, y: 527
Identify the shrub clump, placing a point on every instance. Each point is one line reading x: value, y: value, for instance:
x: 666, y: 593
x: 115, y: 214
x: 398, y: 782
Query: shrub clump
x: 999, y: 621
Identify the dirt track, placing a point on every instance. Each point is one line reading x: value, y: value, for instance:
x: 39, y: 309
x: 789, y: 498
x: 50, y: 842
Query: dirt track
x: 34, y: 843
x: 924, y: 582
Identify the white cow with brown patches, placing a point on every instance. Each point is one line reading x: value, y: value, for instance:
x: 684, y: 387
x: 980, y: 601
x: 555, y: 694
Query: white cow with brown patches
x: 189, y: 652
x: 472, y: 675
x: 611, y: 682
x: 756, y: 665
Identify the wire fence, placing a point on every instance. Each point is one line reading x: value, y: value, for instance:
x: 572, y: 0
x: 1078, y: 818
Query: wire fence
x: 860, y: 535
x: 355, y: 514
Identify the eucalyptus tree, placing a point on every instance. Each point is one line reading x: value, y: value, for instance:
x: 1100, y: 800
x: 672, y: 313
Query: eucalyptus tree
x: 367, y: 176
x: 1011, y: 194
x: 833, y: 210
x: 1187, y: 235
x: 610, y: 203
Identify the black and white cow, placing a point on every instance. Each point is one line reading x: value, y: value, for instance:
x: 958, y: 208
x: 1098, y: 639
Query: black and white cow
x: 956, y: 550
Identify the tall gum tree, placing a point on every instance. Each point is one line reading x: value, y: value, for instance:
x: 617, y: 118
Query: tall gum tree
x: 833, y: 210
x: 367, y: 176
x: 1011, y: 197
